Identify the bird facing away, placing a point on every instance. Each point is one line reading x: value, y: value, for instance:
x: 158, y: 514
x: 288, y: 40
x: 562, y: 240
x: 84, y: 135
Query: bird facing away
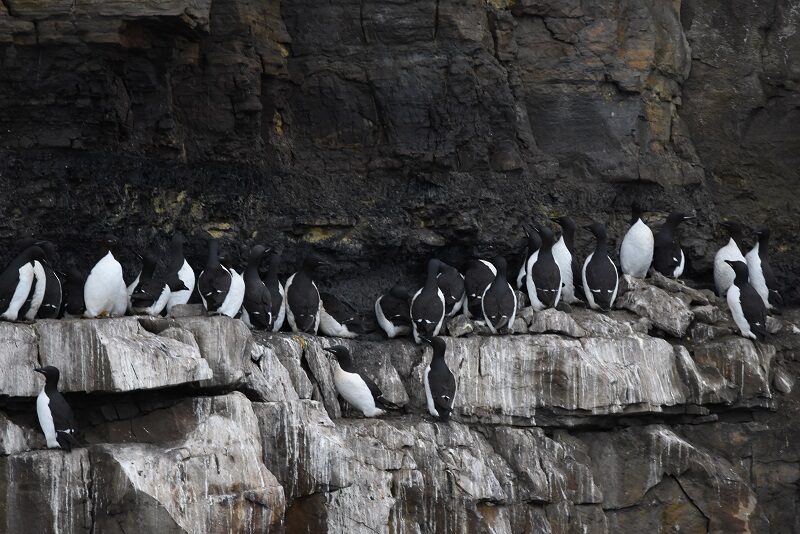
x: 428, y: 305
x: 477, y: 277
x: 303, y: 302
x: 600, y: 276
x: 762, y: 278
x: 393, y: 312
x: 55, y: 415
x: 257, y: 304
x: 668, y: 257
x: 354, y: 387
x: 543, y: 278
x: 748, y: 310
x: 499, y: 303
x: 451, y: 283
x: 440, y: 384
x: 214, y: 281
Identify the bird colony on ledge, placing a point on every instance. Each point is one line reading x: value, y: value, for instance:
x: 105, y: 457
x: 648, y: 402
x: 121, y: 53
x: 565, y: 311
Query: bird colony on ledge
x: 31, y: 288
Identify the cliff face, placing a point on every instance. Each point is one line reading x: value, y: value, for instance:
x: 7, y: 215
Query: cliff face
x: 396, y: 129
x: 583, y: 422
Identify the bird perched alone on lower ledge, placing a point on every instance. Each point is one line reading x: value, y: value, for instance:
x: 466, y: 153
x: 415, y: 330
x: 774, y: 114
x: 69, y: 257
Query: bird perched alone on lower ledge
x: 55, y: 416
x: 356, y: 388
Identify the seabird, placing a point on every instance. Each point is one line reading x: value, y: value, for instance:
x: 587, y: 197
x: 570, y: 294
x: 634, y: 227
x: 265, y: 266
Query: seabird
x: 499, y: 303
x: 302, y: 297
x: 55, y: 415
x: 761, y: 276
x: 427, y: 306
x: 440, y: 384
x: 636, y: 251
x: 723, y: 273
x: 393, y: 312
x: 105, y: 293
x: 354, y: 387
x: 600, y: 276
x: 748, y: 310
x: 668, y: 258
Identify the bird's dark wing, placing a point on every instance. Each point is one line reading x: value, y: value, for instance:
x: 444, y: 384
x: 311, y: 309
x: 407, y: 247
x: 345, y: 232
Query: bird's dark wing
x: 396, y: 310
x: 303, y: 300
x: 63, y: 418
x: 754, y: 311
x: 342, y: 311
x: 377, y: 394
x: 547, y: 279
x: 443, y: 387
x: 775, y: 297
x: 148, y: 292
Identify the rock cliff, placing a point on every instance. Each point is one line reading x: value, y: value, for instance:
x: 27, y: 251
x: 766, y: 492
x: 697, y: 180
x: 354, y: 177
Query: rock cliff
x: 372, y: 129
x: 580, y: 422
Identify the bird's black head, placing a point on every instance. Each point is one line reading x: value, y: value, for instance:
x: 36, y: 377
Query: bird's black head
x: 636, y: 211
x: 226, y: 261
x: 438, y: 344
x: 501, y: 266
x: 257, y: 252
x: 564, y: 222
x: 534, y: 241
x: 739, y: 267
x: 342, y: 355
x: 175, y: 283
x: 35, y: 253
x: 763, y: 234
x: 677, y: 217
x: 50, y: 373
x: 597, y: 229
x: 735, y: 230
x: 546, y: 233
x: 400, y: 292
x: 312, y: 262
x: 109, y: 244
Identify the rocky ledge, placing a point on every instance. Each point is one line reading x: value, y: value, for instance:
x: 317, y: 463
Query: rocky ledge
x: 651, y: 417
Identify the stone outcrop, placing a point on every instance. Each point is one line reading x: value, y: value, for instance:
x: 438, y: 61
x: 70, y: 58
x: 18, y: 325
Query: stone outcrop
x: 598, y: 425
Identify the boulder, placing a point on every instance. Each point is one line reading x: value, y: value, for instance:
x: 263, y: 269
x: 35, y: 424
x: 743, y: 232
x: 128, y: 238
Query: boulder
x: 666, y: 312
x: 552, y: 321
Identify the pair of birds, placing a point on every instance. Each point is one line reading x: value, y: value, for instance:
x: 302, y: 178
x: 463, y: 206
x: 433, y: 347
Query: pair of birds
x: 363, y: 394
x: 105, y: 293
x: 30, y: 288
x: 640, y: 249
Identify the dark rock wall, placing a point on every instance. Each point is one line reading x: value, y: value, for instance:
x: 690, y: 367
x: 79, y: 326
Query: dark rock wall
x: 376, y: 130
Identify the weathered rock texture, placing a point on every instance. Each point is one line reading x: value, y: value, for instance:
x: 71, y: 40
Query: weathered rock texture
x: 605, y: 423
x: 375, y: 130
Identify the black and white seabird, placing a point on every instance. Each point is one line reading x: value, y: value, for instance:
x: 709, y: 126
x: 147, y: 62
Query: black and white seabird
x: 451, y: 282
x: 636, y: 251
x: 393, y: 312
x: 599, y: 275
x: 214, y: 281
x: 55, y: 415
x: 303, y: 302
x: 477, y: 277
x: 178, y: 266
x: 53, y: 291
x: 723, y: 273
x: 564, y: 254
x: 748, y: 310
x: 761, y: 276
x: 427, y: 306
x: 440, y: 384
x: 74, y: 283
x: 543, y: 278
x: 257, y: 304
x: 338, y: 318
x: 232, y: 305
x: 151, y: 293
x: 532, y: 244
x: 499, y: 303
x: 668, y: 257
x: 105, y: 293
x: 16, y: 282
x: 276, y: 291
x: 354, y: 387
x: 33, y: 302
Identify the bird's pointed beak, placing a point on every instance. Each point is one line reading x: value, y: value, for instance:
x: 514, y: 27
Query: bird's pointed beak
x: 425, y: 339
x: 328, y: 350
x: 687, y: 217
x: 39, y: 370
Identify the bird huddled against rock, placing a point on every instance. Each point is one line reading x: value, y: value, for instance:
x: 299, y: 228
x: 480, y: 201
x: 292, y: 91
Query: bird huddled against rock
x: 55, y: 415
x: 303, y: 303
x: 356, y: 387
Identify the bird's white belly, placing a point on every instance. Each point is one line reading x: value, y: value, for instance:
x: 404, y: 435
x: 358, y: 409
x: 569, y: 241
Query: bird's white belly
x: 105, y: 288
x: 20, y: 293
x: 636, y: 252
x: 353, y: 389
x: 46, y: 420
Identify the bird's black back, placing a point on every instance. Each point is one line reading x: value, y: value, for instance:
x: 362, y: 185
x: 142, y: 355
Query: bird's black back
x: 442, y: 384
x: 51, y: 303
x: 452, y: 286
x: 601, y: 275
x: 477, y: 278
x: 303, y: 299
x: 546, y: 277
x: 214, y: 284
x: 754, y: 310
x: 395, y: 309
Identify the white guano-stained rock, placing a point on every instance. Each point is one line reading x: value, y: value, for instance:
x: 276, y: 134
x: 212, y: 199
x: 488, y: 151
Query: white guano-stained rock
x: 115, y: 355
